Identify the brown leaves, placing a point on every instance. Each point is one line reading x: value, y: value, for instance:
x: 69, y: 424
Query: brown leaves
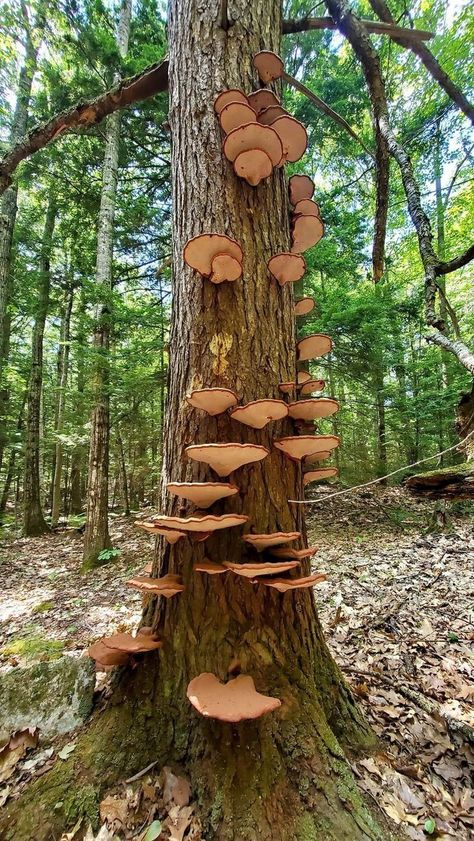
x: 15, y: 749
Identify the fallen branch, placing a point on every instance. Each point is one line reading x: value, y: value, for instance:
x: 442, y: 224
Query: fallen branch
x: 457, y: 262
x: 375, y: 27
x: 149, y: 82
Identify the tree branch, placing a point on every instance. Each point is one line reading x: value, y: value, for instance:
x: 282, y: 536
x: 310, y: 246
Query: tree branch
x: 85, y: 114
x: 452, y: 314
x: 457, y: 262
x: 426, y: 56
x: 375, y: 27
x: 457, y: 348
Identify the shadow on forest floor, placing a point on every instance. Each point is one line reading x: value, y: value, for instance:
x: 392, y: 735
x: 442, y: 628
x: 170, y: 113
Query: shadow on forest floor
x: 397, y: 609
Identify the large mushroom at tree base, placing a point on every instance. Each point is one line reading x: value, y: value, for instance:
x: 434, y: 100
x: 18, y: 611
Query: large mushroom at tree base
x: 167, y: 586
x: 234, y: 701
x: 215, y: 256
x: 298, y: 447
x: 214, y: 401
x: 203, y: 494
x: 225, y: 458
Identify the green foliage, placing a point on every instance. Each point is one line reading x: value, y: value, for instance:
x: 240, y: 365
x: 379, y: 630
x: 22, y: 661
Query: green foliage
x: 108, y: 555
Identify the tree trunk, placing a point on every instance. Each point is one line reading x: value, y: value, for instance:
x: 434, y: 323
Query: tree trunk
x: 283, y: 777
x: 97, y: 530
x: 8, y: 212
x: 123, y: 476
x: 465, y: 423
x: 12, y: 459
x: 61, y: 403
x: 78, y: 454
x: 33, y: 520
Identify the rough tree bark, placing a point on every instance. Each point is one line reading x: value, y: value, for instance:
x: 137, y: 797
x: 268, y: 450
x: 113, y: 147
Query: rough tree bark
x: 61, y: 404
x: 96, y: 537
x: 284, y: 777
x: 33, y: 519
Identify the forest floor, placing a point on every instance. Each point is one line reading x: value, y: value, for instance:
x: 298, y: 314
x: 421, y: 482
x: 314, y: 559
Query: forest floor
x: 398, y: 612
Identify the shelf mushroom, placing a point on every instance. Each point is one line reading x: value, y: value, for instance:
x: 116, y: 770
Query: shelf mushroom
x: 317, y: 344
x: 262, y: 99
x: 287, y: 388
x: 255, y: 569
x: 259, y: 413
x: 254, y: 150
x: 304, y: 305
x: 307, y: 207
x: 314, y: 407
x: 293, y: 136
x: 285, y: 584
x: 234, y: 701
x: 268, y: 65
x: 287, y: 267
x: 268, y: 115
x: 225, y: 458
x: 209, y: 567
x: 167, y: 586
x: 306, y: 231
x: 266, y: 541
x: 300, y: 187
x: 298, y: 447
x: 314, y: 458
x: 203, y: 494
x: 319, y: 475
x: 205, y: 523
x: 227, y: 96
x: 311, y: 386
x: 236, y: 114
x: 171, y: 535
x: 116, y: 650
x: 215, y: 256
x: 214, y: 401
x: 287, y: 552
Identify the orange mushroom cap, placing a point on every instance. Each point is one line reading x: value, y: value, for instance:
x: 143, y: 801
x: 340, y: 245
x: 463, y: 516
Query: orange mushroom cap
x: 227, y: 96
x: 310, y: 386
x: 261, y: 99
x: 287, y: 388
x: 201, y: 253
x: 268, y: 65
x: 293, y: 136
x: 225, y: 458
x: 203, y: 494
x: 260, y: 412
x: 265, y: 541
x: 317, y: 344
x: 285, y: 584
x: 253, y: 136
x: 303, y: 377
x: 267, y: 116
x: 306, y: 231
x: 206, y: 523
x: 106, y: 656
x: 286, y: 267
x: 312, y: 458
x: 234, y: 701
x: 304, y: 305
x: 214, y: 401
x: 314, y: 407
x: 209, y: 567
x: 300, y: 187
x: 253, y: 165
x: 298, y: 447
x: 171, y: 535
x: 294, y: 554
x: 131, y: 645
x: 307, y: 207
x: 236, y: 114
x: 167, y: 586
x: 319, y: 475
x: 259, y: 568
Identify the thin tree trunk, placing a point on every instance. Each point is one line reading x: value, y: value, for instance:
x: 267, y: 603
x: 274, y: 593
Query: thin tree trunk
x: 33, y: 519
x: 123, y: 474
x: 61, y: 404
x: 78, y: 454
x: 12, y: 459
x: 97, y: 531
x: 9, y: 206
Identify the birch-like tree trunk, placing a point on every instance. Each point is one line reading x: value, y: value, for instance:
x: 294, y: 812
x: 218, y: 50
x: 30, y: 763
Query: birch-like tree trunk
x: 33, y: 519
x: 61, y: 404
x: 97, y: 532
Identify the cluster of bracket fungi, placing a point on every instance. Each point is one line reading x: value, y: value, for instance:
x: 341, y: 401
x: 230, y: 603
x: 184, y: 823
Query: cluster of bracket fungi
x: 259, y: 136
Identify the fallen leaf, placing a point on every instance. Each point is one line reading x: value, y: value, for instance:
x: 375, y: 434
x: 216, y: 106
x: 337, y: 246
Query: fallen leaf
x: 175, y: 789
x: 66, y: 751
x: 153, y: 831
x: 113, y: 810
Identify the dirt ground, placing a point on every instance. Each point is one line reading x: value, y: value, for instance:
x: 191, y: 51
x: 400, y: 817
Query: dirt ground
x: 397, y: 609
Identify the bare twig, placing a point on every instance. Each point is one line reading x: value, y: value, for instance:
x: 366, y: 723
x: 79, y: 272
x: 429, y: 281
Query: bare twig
x: 373, y: 26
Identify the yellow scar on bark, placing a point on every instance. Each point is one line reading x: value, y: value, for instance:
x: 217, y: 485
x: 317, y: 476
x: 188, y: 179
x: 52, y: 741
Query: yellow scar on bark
x: 220, y: 346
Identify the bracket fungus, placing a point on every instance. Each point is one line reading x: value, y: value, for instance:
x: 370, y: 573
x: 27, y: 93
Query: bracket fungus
x: 287, y: 267
x: 266, y: 541
x: 313, y: 458
x: 287, y: 552
x: 285, y: 584
x: 203, y: 494
x: 259, y: 413
x: 255, y: 569
x: 115, y: 650
x: 314, y: 407
x: 107, y: 657
x: 227, y: 96
x: 298, y: 447
x: 262, y: 99
x: 287, y: 388
x: 293, y: 136
x: 171, y: 535
x: 236, y: 114
x: 209, y: 567
x: 234, y: 701
x: 167, y: 586
x: 268, y: 65
x: 206, y: 523
x: 300, y: 187
x: 225, y: 458
x: 312, y: 386
x: 268, y: 115
x: 319, y: 475
x: 306, y: 231
x: 317, y: 344
x: 214, y: 401
x: 307, y: 207
x: 254, y: 150
x: 215, y: 256
x: 304, y: 305
x: 303, y: 377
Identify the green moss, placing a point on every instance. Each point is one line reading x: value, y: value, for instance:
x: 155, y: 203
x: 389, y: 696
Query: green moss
x: 82, y: 803
x: 305, y: 829
x: 34, y: 646
x: 43, y: 607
